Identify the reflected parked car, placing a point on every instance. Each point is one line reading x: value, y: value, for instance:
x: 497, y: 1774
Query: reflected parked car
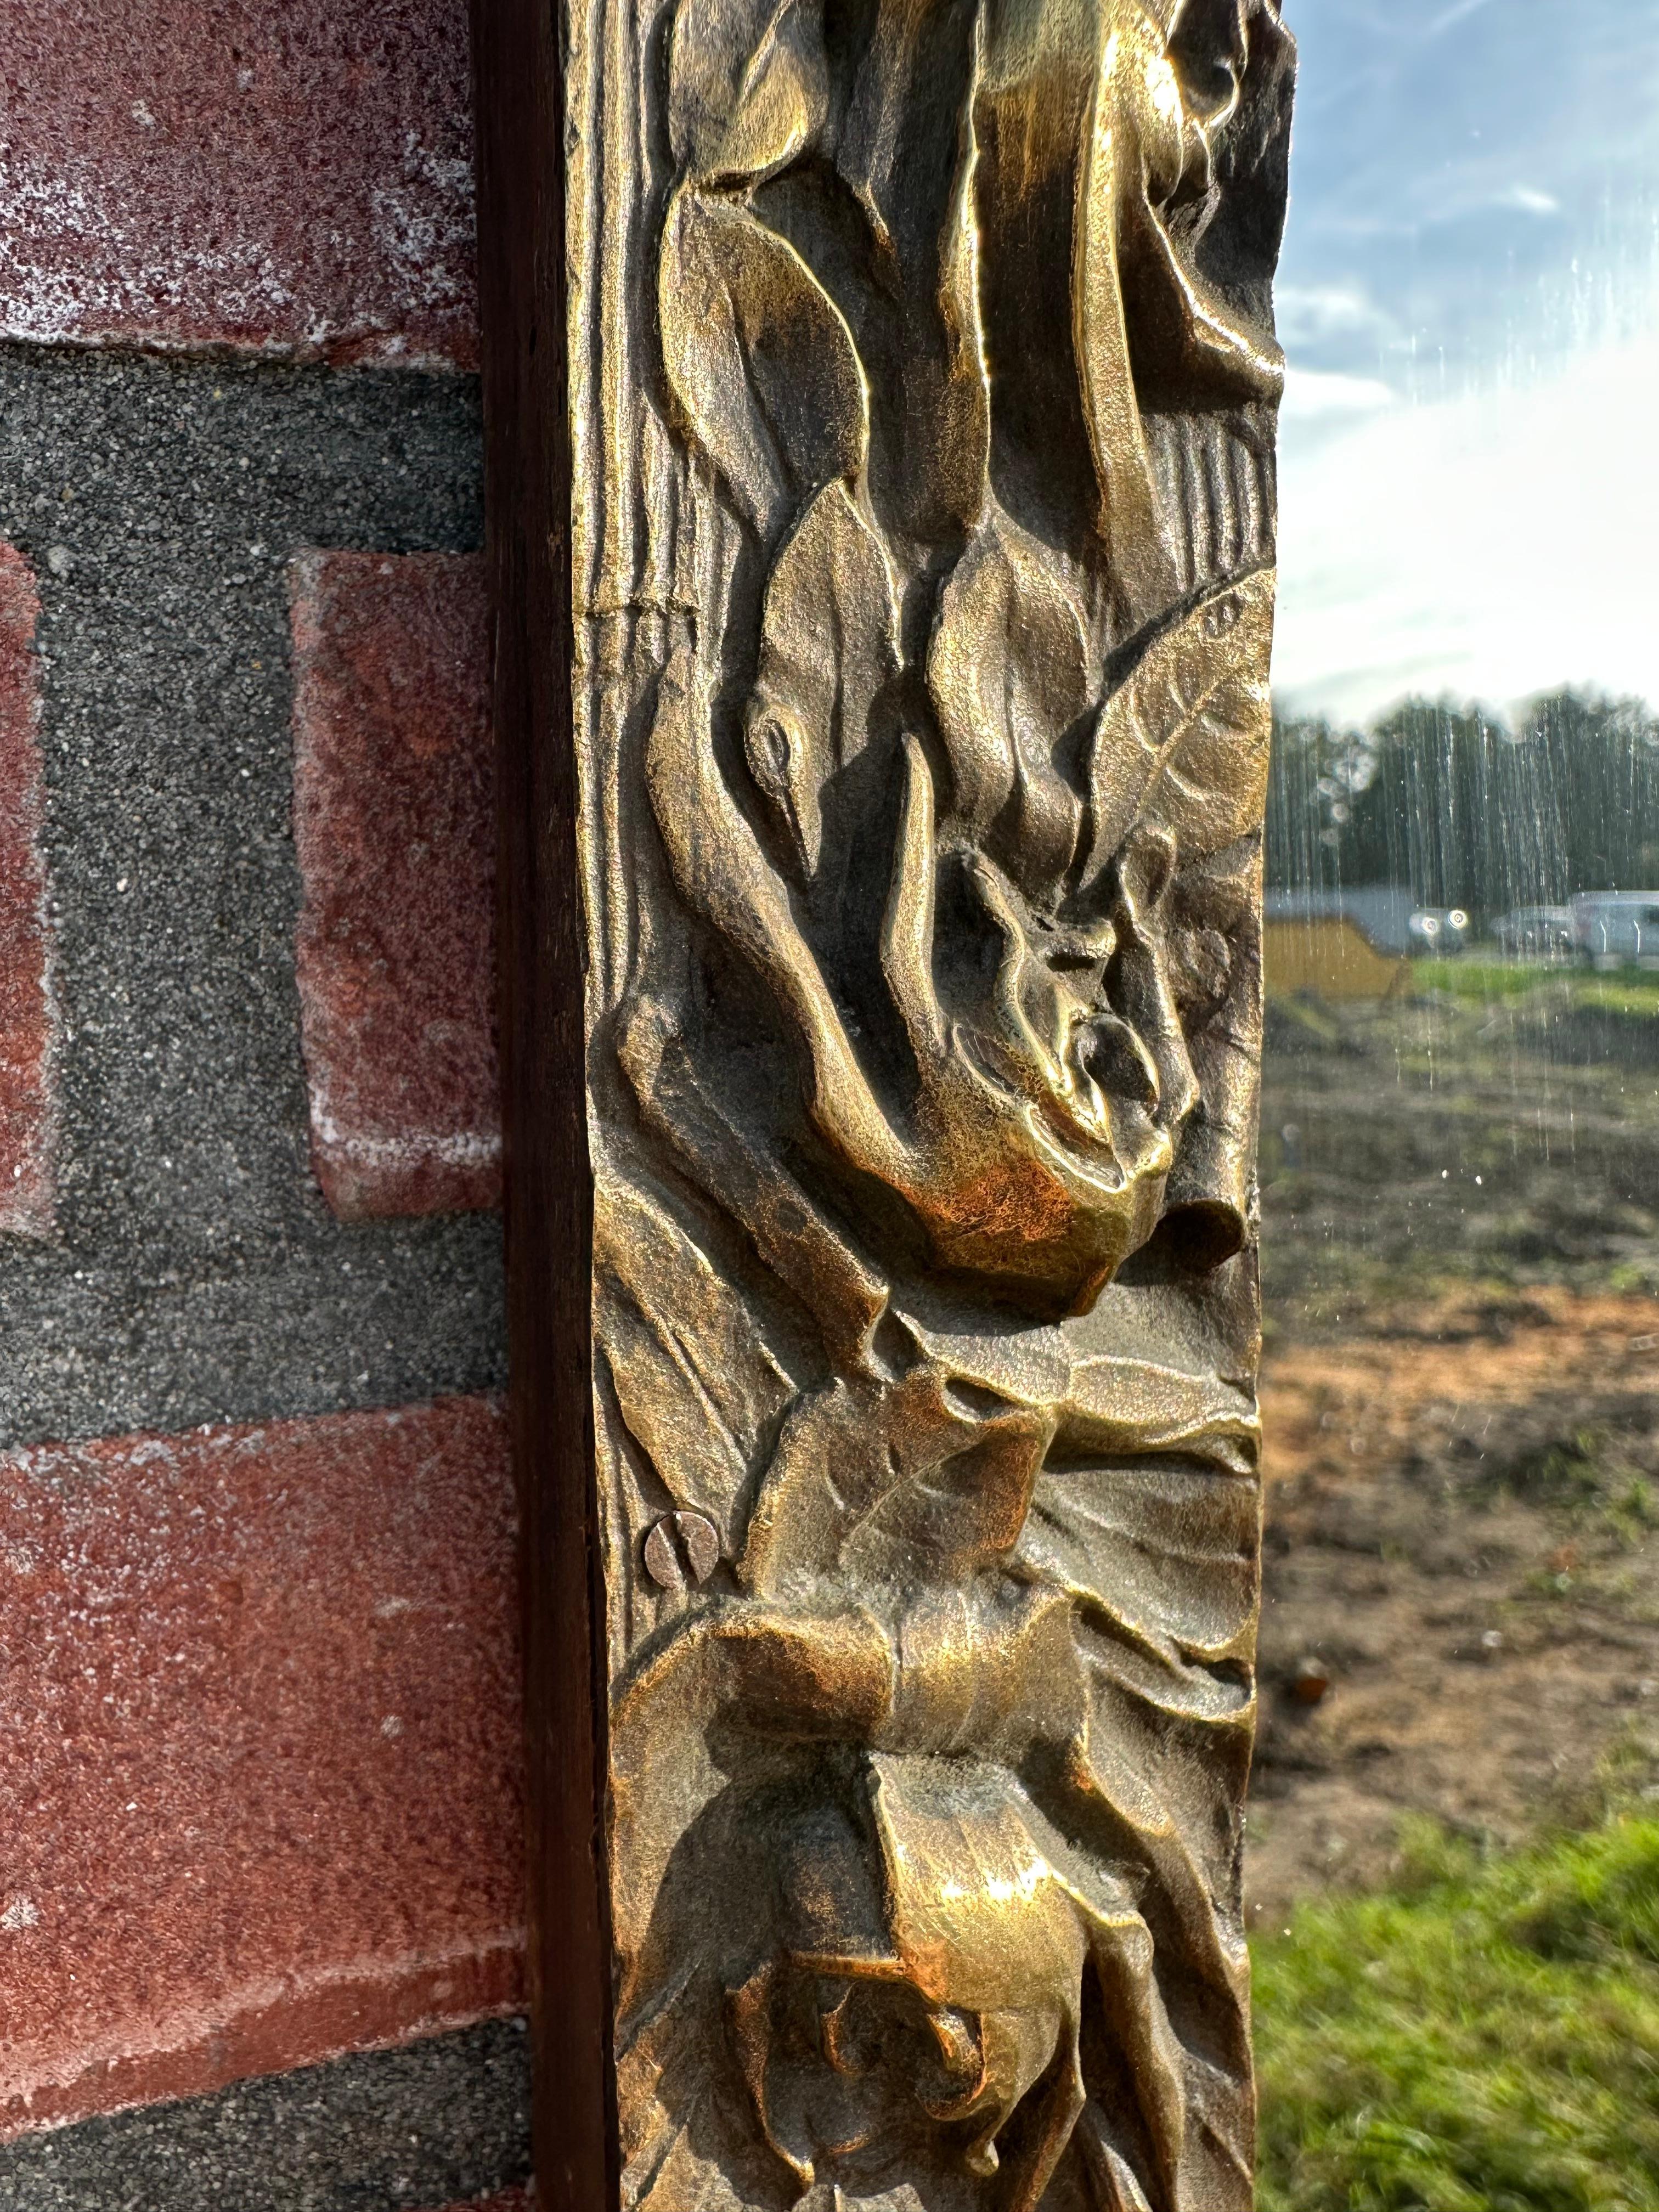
x: 1535, y: 933
x: 1438, y: 930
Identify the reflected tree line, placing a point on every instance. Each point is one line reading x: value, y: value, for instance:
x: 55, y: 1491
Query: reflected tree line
x: 1467, y: 809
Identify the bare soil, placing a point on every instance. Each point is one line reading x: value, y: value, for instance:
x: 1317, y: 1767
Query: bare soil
x: 1461, y: 1405
x: 1463, y: 1536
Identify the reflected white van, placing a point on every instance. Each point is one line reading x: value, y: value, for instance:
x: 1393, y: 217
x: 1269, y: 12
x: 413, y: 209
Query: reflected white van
x: 1612, y: 928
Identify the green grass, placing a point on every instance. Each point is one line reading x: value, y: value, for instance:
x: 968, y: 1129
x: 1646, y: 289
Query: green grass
x: 1631, y: 994
x: 1485, y: 2039
x: 1476, y: 978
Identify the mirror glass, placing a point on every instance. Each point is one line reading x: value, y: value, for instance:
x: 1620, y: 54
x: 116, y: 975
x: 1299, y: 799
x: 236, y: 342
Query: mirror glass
x: 1454, y: 1809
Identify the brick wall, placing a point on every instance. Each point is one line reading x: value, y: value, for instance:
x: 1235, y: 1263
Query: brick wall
x: 394, y: 815
x: 261, y: 1887
x: 282, y: 176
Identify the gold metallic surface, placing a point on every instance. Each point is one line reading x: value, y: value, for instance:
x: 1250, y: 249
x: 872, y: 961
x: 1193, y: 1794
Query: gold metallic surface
x: 923, y: 401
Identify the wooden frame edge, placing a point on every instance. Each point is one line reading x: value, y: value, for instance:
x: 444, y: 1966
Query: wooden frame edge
x: 518, y: 79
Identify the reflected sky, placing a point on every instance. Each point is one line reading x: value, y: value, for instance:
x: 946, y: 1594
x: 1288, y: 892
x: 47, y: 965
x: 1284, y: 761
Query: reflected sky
x: 1469, y: 301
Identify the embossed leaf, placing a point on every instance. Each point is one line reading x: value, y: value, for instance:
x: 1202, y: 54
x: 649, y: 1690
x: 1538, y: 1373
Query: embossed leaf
x: 749, y: 87
x: 1148, y: 1520
x: 696, y: 1385
x: 1183, y: 740
x: 1009, y: 675
x: 829, y: 645
x: 873, y: 1479
x: 1134, y: 128
x: 758, y: 359
x: 1162, y: 1550
x: 907, y: 149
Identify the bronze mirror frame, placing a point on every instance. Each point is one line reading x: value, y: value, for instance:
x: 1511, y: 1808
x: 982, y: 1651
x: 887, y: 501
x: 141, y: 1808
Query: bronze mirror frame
x: 880, y: 405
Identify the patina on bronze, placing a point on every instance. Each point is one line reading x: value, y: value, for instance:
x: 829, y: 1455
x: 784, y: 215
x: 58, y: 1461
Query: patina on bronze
x: 922, y: 399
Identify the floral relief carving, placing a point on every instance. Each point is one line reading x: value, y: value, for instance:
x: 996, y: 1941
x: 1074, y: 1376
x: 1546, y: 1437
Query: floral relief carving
x: 925, y: 759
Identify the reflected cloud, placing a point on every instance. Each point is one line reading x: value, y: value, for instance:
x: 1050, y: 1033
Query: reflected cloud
x: 1470, y: 305
x: 1453, y: 17
x: 1527, y: 199
x: 1307, y: 313
x: 1492, y: 545
x: 1313, y: 395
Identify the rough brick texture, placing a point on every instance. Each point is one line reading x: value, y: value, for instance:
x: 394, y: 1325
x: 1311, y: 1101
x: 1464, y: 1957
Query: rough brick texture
x: 260, y: 1799
x: 395, y: 828
x: 26, y: 1024
x: 283, y: 175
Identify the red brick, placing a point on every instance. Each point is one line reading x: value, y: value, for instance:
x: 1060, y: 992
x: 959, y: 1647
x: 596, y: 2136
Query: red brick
x: 278, y: 175
x: 260, y: 1798
x: 26, y: 1033
x: 395, y: 825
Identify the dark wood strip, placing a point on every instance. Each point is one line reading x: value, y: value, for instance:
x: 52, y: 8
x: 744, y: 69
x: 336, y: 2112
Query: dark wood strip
x: 549, y: 1196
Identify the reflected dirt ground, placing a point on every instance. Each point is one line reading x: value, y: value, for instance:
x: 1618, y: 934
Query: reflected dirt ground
x: 1461, y: 1396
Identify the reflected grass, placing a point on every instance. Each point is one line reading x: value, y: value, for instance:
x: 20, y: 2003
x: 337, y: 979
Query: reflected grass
x: 1483, y: 2039
x: 1498, y: 1128
x: 1635, y: 995
x: 1475, y: 978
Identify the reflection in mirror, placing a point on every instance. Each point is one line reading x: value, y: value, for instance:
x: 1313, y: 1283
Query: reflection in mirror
x: 1459, y: 1153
